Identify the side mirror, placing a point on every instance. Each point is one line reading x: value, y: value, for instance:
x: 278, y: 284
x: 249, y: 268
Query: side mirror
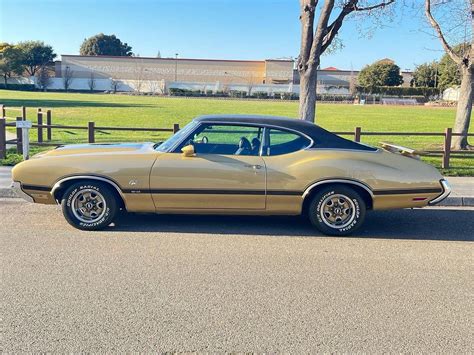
x: 188, y: 151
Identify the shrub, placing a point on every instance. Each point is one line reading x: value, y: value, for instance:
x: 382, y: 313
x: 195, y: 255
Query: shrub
x: 18, y: 87
x: 289, y: 96
x: 400, y: 91
x: 237, y: 93
x: 11, y: 160
x: 260, y: 95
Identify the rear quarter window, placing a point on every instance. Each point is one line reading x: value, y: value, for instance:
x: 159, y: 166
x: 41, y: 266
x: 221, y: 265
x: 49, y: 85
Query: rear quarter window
x: 284, y: 142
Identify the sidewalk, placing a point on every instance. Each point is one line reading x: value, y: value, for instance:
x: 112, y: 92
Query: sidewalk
x: 462, y: 194
x: 6, y: 182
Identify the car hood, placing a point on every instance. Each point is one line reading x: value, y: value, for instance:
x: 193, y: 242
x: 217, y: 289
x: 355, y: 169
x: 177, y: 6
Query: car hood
x: 97, y: 149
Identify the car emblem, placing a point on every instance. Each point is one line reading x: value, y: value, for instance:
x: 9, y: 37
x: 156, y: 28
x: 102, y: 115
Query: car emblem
x: 133, y: 182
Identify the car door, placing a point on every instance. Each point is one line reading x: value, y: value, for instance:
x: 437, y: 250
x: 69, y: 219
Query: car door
x: 226, y: 172
x: 284, y: 154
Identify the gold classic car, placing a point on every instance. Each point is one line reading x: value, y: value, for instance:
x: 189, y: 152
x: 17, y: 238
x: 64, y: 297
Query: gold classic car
x: 231, y: 164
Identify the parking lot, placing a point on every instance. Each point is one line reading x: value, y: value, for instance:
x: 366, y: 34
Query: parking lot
x: 208, y: 283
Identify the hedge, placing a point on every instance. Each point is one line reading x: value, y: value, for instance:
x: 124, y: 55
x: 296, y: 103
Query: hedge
x: 18, y: 87
x: 400, y: 91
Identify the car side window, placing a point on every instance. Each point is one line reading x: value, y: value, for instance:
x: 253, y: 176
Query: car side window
x: 226, y: 139
x: 284, y: 142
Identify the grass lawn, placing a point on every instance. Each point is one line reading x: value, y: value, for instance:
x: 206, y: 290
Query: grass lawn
x: 162, y: 112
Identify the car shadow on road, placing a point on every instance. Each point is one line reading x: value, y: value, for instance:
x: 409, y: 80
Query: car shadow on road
x: 417, y: 224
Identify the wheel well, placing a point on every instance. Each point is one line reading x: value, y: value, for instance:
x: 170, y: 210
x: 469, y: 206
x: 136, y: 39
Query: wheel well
x: 59, y: 192
x: 360, y: 190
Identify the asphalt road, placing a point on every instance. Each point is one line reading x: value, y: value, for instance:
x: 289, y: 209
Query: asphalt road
x: 405, y: 283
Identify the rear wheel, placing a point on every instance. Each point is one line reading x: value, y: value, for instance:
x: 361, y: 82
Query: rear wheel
x: 89, y: 205
x: 337, y: 210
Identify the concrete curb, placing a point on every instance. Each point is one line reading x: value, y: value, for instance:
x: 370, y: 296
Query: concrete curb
x: 458, y: 201
x: 450, y: 201
x: 8, y: 193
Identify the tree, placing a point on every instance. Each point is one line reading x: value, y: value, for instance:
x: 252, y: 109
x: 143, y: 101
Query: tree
x: 464, y: 59
x: 9, y: 61
x: 114, y: 85
x: 426, y: 75
x: 43, y: 78
x: 317, y: 38
x: 449, y: 71
x: 68, y: 76
x: 34, y: 55
x: 101, y: 44
x: 91, y: 82
x: 381, y: 73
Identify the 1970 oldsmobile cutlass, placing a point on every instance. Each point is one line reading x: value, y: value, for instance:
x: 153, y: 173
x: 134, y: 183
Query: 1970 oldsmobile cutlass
x: 231, y: 164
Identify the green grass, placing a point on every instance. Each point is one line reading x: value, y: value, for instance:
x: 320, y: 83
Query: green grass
x: 162, y: 112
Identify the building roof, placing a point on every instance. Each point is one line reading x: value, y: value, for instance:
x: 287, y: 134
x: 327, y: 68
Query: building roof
x: 173, y: 58
x: 330, y: 68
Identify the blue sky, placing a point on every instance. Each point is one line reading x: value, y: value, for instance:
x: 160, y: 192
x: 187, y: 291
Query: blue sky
x: 224, y: 29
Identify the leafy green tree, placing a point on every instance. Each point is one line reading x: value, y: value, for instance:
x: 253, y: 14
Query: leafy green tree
x: 10, y: 61
x: 35, y: 55
x: 381, y: 73
x: 426, y: 75
x: 449, y: 71
x: 101, y: 44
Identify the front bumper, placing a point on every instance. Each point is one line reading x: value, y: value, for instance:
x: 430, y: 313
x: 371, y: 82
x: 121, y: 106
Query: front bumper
x: 446, y: 191
x: 16, y: 187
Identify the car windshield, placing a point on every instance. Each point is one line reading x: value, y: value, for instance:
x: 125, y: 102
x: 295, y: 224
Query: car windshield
x: 170, y: 142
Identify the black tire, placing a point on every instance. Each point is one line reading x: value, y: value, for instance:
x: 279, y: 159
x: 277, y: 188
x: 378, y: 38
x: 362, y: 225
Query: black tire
x: 101, y: 199
x: 337, y: 210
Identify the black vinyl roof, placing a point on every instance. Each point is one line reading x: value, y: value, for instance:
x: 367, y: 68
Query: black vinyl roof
x: 320, y: 137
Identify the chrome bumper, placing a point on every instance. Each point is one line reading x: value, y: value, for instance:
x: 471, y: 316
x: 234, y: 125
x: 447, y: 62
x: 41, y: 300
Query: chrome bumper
x: 446, y: 191
x: 16, y: 187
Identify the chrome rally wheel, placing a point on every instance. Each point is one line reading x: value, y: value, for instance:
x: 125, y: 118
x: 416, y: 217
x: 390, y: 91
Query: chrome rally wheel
x: 337, y: 210
x: 89, y: 205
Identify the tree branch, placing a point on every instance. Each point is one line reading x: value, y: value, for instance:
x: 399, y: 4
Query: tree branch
x: 321, y: 31
x: 457, y: 59
x: 373, y: 7
x: 348, y: 8
x: 336, y: 25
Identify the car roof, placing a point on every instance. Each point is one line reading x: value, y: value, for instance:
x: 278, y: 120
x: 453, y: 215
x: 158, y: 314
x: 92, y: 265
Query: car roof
x: 321, y: 138
x: 285, y: 122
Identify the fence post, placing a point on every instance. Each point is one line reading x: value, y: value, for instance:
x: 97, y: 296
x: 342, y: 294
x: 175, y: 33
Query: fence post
x: 447, y: 148
x: 3, y: 139
x: 23, y: 113
x: 175, y: 127
x: 4, y: 113
x: 19, y: 138
x: 40, y: 126
x: 48, y: 122
x: 91, y: 131
x: 357, y: 132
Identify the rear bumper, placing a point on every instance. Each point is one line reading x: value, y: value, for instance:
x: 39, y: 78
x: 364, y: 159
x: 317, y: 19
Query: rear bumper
x: 16, y: 187
x: 446, y: 191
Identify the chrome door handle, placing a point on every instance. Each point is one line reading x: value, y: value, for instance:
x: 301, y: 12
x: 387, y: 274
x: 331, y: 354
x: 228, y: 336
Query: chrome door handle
x: 255, y: 167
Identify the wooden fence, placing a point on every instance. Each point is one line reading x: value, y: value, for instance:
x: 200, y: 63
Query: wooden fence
x: 44, y: 124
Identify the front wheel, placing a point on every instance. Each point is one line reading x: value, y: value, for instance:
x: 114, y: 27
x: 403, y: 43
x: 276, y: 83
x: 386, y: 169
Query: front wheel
x: 89, y: 205
x: 337, y: 210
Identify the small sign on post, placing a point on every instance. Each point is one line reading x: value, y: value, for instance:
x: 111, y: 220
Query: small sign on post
x: 25, y: 135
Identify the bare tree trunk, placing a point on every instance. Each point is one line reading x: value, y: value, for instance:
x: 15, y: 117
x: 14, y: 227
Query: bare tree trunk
x: 308, y: 83
x: 464, y: 109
